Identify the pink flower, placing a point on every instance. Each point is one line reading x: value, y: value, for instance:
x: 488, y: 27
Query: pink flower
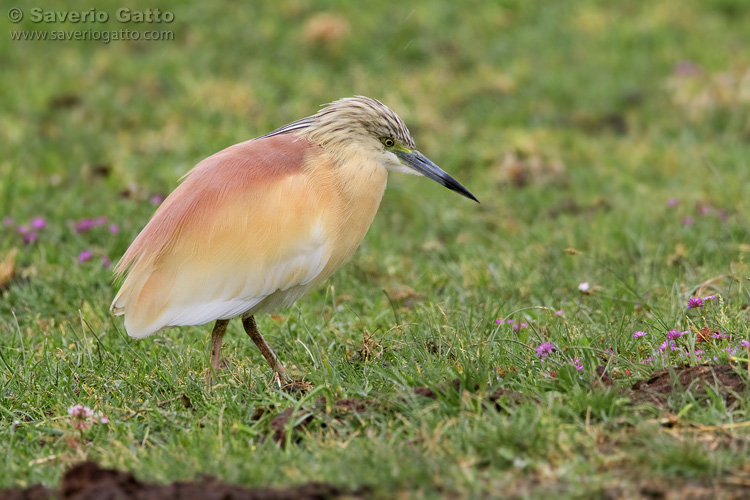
x: 559, y: 313
x: 157, y: 199
x: 518, y: 326
x: 38, y: 223
x: 745, y: 343
x: 687, y: 69
x: 577, y: 363
x: 671, y: 345
x: 674, y: 334
x: 639, y: 334
x: 584, y: 287
x: 86, y: 224
x: 84, y: 256
x: 672, y: 202
x: 687, y: 221
x: 719, y: 335
x: 29, y: 237
x: 544, y: 349
x: 80, y: 411
x: 694, y: 302
x: 81, y: 417
x: 8, y: 221
x: 114, y: 228
x: 106, y: 261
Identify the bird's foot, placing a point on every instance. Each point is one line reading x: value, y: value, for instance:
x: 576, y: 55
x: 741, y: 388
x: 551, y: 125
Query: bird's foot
x: 214, y: 370
x: 294, y: 385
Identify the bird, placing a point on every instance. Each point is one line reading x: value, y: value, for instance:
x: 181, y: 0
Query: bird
x: 255, y: 226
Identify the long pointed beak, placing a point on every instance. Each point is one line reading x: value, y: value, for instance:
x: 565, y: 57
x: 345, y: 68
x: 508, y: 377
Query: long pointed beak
x: 424, y: 166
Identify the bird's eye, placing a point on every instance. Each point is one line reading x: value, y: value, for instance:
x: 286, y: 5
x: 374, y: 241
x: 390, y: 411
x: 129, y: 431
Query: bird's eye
x: 388, y: 142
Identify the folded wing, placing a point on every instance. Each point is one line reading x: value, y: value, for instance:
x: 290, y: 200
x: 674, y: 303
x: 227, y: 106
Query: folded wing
x: 244, y: 230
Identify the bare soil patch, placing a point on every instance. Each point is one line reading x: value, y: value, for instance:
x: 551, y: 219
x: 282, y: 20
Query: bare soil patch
x: 88, y: 481
x: 724, y: 379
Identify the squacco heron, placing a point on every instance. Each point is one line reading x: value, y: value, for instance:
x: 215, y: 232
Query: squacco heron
x: 254, y: 227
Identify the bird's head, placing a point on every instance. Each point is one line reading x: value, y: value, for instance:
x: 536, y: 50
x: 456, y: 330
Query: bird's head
x: 364, y: 126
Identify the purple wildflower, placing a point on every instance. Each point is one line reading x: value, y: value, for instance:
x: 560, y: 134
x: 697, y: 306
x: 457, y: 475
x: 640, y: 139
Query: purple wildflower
x: 687, y: 69
x: 85, y: 255
x: 674, y: 334
x: 518, y: 326
x: 29, y: 237
x: 577, y: 363
x: 559, y: 313
x: 86, y: 224
x: 157, y: 199
x: 672, y: 202
x: 38, y: 223
x: 687, y: 221
x: 639, y: 334
x: 106, y: 261
x: 719, y: 335
x: 694, y: 302
x: 114, y: 228
x: 745, y: 343
x: 672, y: 346
x: 8, y: 221
x: 544, y: 349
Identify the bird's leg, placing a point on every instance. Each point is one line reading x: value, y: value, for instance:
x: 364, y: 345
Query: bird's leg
x: 217, y: 335
x: 252, y: 330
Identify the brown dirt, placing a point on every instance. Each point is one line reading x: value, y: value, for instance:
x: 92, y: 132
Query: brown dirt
x: 355, y: 405
x: 723, y: 378
x: 506, y: 399
x: 652, y: 489
x: 279, y: 424
x: 425, y: 392
x: 503, y: 399
x: 87, y: 481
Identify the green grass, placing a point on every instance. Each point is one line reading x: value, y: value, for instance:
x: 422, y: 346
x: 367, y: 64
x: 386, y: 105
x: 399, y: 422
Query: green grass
x: 597, y: 102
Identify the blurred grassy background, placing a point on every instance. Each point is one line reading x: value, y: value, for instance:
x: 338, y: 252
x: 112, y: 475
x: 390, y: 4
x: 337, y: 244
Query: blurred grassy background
x: 574, y: 123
